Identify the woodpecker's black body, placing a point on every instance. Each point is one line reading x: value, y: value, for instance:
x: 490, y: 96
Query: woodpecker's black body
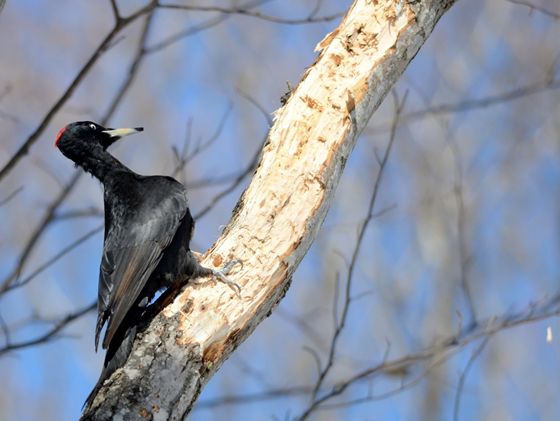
x: 148, y: 227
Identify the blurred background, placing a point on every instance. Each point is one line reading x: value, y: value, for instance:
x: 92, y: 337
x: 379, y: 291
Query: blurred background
x: 465, y: 225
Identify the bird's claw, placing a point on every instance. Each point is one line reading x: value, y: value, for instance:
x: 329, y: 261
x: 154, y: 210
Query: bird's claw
x: 229, y: 265
x: 221, y: 275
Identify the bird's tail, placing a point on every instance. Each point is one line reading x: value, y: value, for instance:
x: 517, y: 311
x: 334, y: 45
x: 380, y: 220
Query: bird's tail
x: 117, y: 353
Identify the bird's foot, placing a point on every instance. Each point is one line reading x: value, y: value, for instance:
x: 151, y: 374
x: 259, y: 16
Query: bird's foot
x: 221, y: 275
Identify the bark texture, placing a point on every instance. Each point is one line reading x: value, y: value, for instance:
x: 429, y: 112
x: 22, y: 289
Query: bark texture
x: 278, y: 216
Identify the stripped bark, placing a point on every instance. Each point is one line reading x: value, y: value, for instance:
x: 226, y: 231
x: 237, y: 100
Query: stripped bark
x: 278, y: 216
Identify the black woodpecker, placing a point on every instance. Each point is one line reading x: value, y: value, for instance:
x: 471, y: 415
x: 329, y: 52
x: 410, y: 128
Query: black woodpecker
x: 148, y: 228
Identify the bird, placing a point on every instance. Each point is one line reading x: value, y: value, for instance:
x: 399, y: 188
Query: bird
x: 148, y: 229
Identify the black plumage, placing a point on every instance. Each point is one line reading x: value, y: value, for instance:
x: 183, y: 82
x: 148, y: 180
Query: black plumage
x: 148, y: 228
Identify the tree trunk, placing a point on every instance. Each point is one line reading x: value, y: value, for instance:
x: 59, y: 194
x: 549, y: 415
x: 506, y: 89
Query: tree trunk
x: 278, y: 216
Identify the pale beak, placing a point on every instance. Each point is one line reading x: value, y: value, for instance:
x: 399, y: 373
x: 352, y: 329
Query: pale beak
x: 123, y: 132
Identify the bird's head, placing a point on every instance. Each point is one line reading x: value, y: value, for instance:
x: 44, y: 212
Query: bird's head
x: 84, y: 137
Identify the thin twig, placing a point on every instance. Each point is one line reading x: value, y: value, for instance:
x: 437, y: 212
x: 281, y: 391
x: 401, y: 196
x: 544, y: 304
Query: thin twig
x: 474, y: 104
x: 460, y: 387
x: 133, y: 69
x: 210, y: 23
x: 236, y: 182
x: 55, y: 258
x: 88, y: 212
x: 50, y: 334
x: 115, y: 8
x: 254, y: 397
x: 538, y: 8
x: 184, y: 158
x: 464, y: 255
x: 254, y: 14
x: 9, y: 197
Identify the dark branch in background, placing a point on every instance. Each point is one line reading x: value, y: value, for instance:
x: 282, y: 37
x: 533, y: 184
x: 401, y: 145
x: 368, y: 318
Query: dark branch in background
x: 9, y: 197
x: 538, y: 8
x: 249, y: 398
x: 185, y: 156
x: 473, y: 104
x: 239, y: 175
x: 266, y: 114
x: 460, y: 387
x: 55, y: 258
x: 304, y: 323
x: 37, y: 233
x: 6, y: 116
x: 236, y: 182
x: 465, y: 257
x: 210, y: 23
x: 50, y: 334
x: 132, y: 70
x: 246, y: 12
x: 90, y: 211
x: 339, y: 325
x: 316, y: 8
x: 115, y: 8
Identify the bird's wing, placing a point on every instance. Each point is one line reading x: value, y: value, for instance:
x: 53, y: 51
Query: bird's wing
x: 134, y: 245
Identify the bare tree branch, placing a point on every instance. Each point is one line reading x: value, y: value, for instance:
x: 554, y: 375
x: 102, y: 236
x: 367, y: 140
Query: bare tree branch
x: 187, y: 156
x: 51, y: 334
x: 210, y: 23
x: 250, y: 13
x: 10, y: 196
x: 115, y: 8
x: 63, y: 252
x: 280, y: 393
x: 234, y: 184
x: 132, y: 70
x: 460, y: 387
x: 465, y: 257
x: 538, y: 8
x: 474, y: 104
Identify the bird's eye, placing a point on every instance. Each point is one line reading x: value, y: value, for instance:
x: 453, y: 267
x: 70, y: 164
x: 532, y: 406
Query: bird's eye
x: 93, y: 126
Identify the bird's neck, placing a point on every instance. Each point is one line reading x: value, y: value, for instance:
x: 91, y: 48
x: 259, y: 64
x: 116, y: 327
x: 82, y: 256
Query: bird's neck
x: 101, y: 164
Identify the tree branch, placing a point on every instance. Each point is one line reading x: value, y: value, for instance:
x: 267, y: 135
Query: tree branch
x: 50, y: 334
x: 279, y: 214
x: 532, y: 7
x: 246, y: 12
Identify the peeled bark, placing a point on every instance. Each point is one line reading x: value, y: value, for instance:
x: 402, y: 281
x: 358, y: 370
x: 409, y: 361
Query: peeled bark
x: 278, y: 216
